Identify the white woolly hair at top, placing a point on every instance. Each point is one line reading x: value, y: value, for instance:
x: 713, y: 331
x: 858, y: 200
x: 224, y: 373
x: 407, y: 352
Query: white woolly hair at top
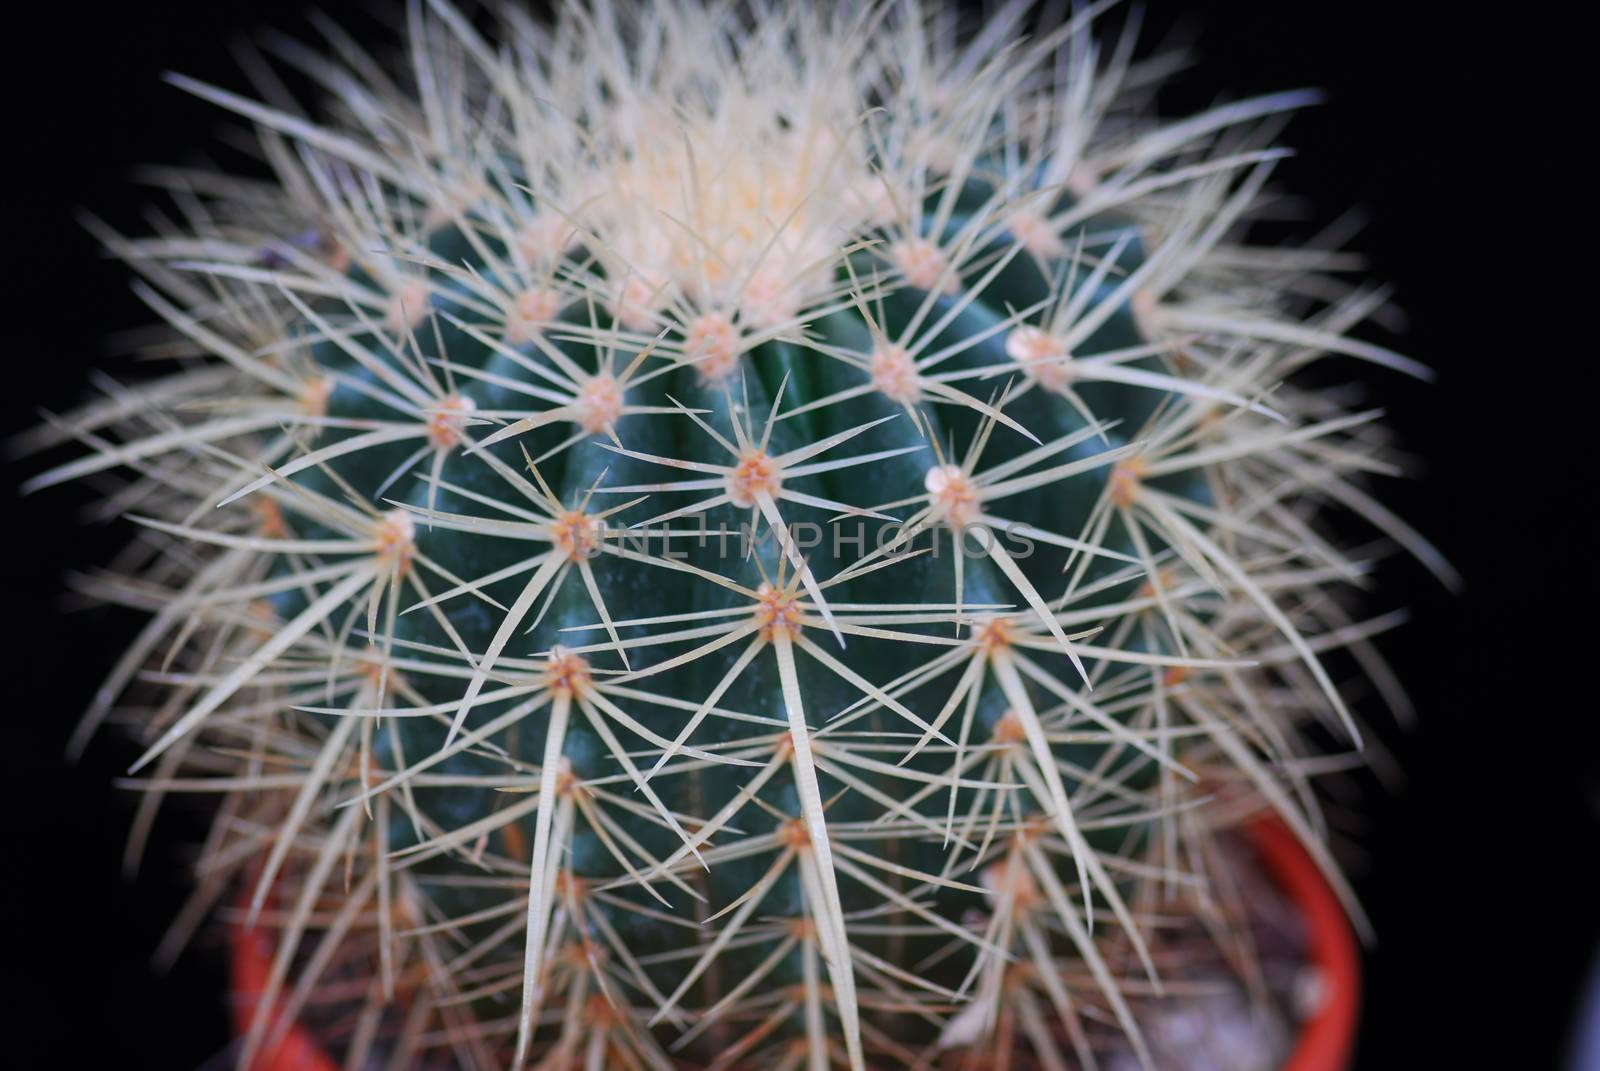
x: 633, y: 214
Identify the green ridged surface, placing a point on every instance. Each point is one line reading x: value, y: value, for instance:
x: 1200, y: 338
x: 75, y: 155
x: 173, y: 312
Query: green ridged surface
x: 633, y: 590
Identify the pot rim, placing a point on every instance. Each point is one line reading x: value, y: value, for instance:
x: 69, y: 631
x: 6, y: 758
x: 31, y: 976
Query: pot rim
x: 1327, y: 1037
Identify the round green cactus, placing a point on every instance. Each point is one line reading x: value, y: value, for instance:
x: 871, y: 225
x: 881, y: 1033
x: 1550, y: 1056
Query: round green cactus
x: 701, y: 536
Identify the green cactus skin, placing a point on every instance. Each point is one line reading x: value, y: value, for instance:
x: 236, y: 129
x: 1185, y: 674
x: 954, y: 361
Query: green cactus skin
x: 660, y: 591
x: 504, y: 399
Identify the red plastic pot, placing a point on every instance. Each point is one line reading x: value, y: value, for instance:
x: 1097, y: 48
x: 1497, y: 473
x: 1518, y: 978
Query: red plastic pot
x: 251, y: 952
x: 1328, y: 1036
x: 1326, y: 1040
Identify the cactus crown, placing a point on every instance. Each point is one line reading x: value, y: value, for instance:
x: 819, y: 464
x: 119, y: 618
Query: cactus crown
x: 733, y: 534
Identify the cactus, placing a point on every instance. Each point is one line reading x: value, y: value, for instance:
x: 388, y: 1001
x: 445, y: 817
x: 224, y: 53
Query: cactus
x: 733, y: 535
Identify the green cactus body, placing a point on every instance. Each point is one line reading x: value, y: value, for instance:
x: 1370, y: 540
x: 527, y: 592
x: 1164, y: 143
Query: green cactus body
x: 732, y: 575
x: 738, y: 549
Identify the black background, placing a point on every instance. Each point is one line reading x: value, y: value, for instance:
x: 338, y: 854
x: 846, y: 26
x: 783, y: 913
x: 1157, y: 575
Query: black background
x: 1480, y: 870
